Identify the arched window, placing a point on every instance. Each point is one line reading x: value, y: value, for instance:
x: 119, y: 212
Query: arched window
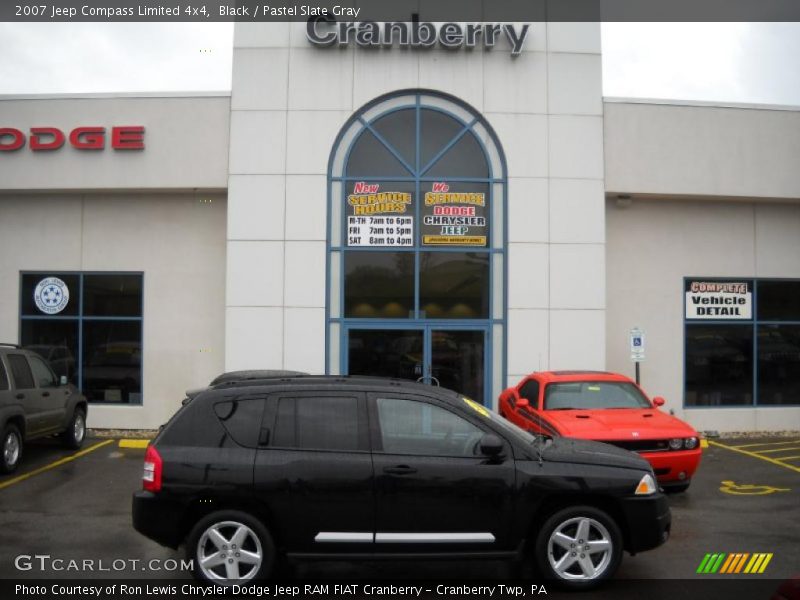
x: 416, y: 242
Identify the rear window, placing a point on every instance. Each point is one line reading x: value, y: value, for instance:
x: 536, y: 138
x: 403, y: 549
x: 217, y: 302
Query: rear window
x: 194, y: 425
x: 593, y: 395
x: 317, y: 423
x: 241, y: 419
x: 20, y: 371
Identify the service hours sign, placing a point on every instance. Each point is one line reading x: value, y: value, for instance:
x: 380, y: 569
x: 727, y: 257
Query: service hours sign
x: 380, y: 215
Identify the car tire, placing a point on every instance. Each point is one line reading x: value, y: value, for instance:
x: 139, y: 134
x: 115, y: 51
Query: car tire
x: 75, y: 433
x: 215, y: 558
x: 575, y: 562
x: 10, y: 448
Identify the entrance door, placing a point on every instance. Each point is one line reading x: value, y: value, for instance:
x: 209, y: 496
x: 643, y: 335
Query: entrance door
x: 438, y: 355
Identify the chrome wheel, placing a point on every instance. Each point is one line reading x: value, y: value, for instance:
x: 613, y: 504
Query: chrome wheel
x: 11, y: 447
x: 78, y: 427
x: 580, y: 548
x: 229, y: 551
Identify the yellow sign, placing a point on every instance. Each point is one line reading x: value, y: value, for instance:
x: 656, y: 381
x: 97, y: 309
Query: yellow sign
x: 477, y: 240
x: 746, y: 489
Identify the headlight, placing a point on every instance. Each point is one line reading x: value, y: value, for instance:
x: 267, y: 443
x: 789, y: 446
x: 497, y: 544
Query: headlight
x: 676, y: 444
x: 690, y: 443
x: 647, y: 486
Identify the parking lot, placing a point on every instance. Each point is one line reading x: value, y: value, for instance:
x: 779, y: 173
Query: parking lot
x: 745, y: 499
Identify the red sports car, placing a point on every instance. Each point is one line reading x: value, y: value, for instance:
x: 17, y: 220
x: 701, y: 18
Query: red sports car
x: 610, y: 408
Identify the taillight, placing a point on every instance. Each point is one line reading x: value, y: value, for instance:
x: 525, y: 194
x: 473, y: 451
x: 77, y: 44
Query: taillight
x: 151, y: 478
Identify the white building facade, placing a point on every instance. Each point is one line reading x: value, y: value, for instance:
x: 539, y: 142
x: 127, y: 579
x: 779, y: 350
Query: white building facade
x: 459, y: 216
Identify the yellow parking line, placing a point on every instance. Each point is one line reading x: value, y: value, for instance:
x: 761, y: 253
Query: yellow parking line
x: 759, y: 456
x: 703, y: 443
x: 55, y: 464
x: 767, y: 444
x: 789, y: 457
x: 133, y: 443
x: 777, y: 450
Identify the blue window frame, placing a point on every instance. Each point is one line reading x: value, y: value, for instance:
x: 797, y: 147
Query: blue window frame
x: 395, y: 155
x: 741, y: 342
x: 88, y: 326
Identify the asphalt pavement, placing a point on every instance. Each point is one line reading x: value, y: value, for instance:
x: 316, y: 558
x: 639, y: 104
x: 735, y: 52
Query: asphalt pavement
x: 744, y: 499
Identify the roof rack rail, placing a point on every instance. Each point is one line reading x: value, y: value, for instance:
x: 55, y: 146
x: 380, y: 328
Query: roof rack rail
x: 11, y: 345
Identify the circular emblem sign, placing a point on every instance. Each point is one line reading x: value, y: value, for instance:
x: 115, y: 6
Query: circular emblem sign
x: 51, y: 295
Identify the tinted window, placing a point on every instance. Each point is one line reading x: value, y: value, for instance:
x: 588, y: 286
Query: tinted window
x: 20, y: 371
x: 593, y: 395
x: 779, y: 300
x: 719, y: 365
x: 530, y: 390
x: 56, y: 341
x: 112, y: 295
x: 112, y: 361
x: 241, y: 419
x: 195, y: 425
x: 3, y: 377
x: 317, y: 423
x: 370, y: 157
x: 379, y: 284
x: 454, y: 285
x: 412, y: 427
x: 41, y: 373
x: 779, y: 364
x: 60, y: 297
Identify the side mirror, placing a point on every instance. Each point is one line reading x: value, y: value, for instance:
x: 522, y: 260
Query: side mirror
x: 523, y: 403
x: 62, y: 380
x: 491, y: 445
x: 659, y: 401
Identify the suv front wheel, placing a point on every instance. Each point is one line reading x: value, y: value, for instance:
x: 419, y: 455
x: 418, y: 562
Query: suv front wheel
x: 230, y: 546
x: 579, y: 547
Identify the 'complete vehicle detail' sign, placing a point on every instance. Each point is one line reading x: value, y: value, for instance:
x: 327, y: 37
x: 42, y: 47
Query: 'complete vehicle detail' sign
x: 723, y: 300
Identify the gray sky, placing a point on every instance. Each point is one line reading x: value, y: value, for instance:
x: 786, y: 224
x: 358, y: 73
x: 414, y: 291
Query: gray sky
x: 725, y: 62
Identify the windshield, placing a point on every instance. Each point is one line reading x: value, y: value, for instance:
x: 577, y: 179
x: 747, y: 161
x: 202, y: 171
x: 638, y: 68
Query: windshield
x: 505, y: 425
x: 593, y: 395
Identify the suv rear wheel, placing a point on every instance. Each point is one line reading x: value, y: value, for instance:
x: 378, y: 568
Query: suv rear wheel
x: 230, y: 546
x: 579, y: 547
x: 11, y: 448
x: 75, y: 432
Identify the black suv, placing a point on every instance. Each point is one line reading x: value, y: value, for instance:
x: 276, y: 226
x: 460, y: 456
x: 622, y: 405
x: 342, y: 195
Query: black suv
x: 34, y: 403
x: 352, y: 467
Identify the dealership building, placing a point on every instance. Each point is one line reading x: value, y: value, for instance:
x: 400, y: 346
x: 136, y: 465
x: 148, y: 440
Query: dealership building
x: 462, y: 214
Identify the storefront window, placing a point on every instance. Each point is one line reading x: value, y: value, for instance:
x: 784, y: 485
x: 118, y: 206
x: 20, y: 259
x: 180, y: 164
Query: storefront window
x: 416, y: 235
x: 88, y: 326
x: 742, y: 342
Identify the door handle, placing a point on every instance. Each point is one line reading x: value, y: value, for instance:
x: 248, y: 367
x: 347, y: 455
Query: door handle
x: 399, y: 470
x: 20, y: 396
x: 46, y: 394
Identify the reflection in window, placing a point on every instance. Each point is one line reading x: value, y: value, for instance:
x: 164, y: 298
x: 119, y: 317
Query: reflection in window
x: 112, y: 361
x: 719, y: 365
x: 56, y: 342
x: 95, y: 341
x: 779, y: 364
x: 379, y: 284
x: 454, y: 285
x: 386, y: 353
x: 411, y: 427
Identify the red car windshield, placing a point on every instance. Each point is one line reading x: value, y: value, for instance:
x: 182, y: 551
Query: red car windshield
x: 593, y: 395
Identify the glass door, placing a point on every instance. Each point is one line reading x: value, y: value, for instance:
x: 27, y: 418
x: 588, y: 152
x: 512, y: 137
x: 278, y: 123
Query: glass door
x: 437, y: 355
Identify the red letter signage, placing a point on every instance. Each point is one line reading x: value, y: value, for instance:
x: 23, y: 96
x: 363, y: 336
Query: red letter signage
x: 56, y: 141
x: 17, y: 139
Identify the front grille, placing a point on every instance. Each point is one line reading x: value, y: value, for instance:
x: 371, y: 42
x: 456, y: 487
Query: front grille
x: 662, y: 471
x: 642, y: 445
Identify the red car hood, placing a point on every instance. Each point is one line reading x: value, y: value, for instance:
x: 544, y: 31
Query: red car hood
x: 618, y: 424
